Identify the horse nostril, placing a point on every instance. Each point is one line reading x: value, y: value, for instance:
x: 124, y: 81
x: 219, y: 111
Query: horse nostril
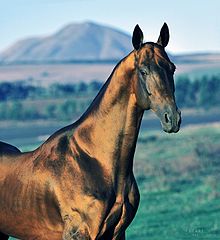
x: 166, y: 117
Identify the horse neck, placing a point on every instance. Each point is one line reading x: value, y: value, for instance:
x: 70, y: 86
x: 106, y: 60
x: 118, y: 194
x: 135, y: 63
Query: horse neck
x: 110, y: 128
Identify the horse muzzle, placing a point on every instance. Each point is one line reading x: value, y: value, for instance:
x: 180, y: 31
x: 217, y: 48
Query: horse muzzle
x: 171, y: 120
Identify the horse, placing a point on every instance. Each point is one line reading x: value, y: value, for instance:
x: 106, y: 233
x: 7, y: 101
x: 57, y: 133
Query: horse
x: 79, y: 184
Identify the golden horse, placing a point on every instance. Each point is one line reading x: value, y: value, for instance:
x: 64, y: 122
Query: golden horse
x: 79, y: 184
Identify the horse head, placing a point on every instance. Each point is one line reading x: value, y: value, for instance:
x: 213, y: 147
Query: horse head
x: 154, y: 84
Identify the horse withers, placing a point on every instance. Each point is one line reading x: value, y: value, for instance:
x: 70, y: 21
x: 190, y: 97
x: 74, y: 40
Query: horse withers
x: 79, y: 184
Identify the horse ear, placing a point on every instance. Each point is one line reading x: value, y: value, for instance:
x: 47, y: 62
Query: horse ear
x: 164, y: 36
x: 137, y: 38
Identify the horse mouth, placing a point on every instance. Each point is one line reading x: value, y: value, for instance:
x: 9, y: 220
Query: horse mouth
x: 170, y: 129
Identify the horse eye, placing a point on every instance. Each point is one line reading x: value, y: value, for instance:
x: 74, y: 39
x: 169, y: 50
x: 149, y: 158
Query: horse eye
x: 143, y: 72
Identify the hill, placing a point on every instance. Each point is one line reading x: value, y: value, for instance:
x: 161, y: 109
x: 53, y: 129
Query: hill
x: 42, y: 60
x: 86, y: 41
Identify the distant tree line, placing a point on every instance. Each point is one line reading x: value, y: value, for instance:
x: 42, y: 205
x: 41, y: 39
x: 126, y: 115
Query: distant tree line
x: 202, y: 93
x: 21, y: 90
x: 62, y: 110
x: 21, y: 101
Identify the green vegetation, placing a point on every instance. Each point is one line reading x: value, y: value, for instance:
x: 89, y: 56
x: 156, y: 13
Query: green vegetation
x: 20, y: 101
x: 203, y: 92
x: 20, y: 90
x: 178, y: 178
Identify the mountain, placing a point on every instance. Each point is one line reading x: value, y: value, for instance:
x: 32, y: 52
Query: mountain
x: 86, y: 41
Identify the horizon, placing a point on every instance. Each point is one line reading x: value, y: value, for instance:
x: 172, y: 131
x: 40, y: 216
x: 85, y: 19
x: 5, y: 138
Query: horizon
x: 189, y: 34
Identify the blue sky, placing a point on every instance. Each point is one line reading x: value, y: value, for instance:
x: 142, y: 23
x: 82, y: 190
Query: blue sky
x: 194, y: 24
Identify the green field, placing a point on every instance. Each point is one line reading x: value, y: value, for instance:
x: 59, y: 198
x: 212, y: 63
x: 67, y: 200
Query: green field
x: 178, y: 177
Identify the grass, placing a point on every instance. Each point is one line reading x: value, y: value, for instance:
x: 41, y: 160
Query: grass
x: 178, y: 176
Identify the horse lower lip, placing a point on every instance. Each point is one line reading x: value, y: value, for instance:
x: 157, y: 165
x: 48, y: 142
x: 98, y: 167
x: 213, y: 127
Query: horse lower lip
x: 170, y: 128
x: 167, y: 130
x: 176, y: 130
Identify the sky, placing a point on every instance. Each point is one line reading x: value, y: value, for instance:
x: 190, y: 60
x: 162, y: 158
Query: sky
x: 194, y: 24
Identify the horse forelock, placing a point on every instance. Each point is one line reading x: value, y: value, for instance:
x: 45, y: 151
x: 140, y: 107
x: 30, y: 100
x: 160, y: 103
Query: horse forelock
x: 145, y: 54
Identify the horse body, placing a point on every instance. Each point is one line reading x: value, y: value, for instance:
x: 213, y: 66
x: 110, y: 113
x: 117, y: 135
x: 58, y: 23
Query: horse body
x: 79, y: 184
x: 24, y: 199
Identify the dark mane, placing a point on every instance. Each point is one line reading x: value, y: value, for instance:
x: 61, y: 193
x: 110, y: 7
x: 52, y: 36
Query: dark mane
x: 6, y: 148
